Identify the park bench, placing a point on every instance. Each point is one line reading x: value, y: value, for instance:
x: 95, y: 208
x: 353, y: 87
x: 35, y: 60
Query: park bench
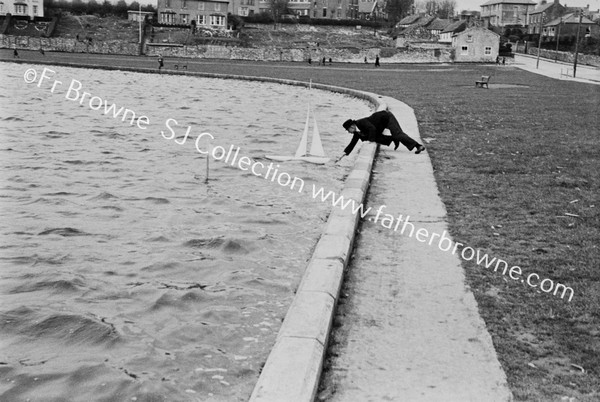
x: 485, y: 79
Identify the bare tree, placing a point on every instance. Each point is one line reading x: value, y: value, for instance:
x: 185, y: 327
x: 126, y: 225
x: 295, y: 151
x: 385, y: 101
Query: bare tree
x: 438, y: 8
x: 446, y: 8
x: 398, y: 9
x: 278, y: 8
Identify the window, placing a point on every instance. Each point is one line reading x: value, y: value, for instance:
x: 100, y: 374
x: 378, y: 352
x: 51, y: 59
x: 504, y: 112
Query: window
x: 20, y: 9
x: 168, y: 3
x: 201, y: 19
x: 324, y: 12
x: 35, y: 8
x: 243, y: 11
x: 217, y: 20
x: 167, y: 18
x: 464, y: 50
x: 185, y: 18
x: 487, y: 51
x: 469, y: 38
x: 217, y: 7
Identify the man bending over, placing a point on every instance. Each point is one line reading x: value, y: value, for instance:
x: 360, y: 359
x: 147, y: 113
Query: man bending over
x: 371, y: 129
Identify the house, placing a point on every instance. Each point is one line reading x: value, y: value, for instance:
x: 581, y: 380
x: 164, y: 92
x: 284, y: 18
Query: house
x: 298, y: 7
x: 336, y: 9
x: 450, y: 30
x: 469, y: 16
x: 244, y: 7
x: 408, y: 21
x: 206, y: 13
x: 135, y: 15
x: 566, y: 27
x: 476, y: 44
x: 500, y: 13
x: 366, y: 7
x: 436, y: 26
x: 543, y: 13
x: 31, y: 8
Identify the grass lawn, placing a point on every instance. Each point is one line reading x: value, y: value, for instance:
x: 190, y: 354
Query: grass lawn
x: 510, y: 163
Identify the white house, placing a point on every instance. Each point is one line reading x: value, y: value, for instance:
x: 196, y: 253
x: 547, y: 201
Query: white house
x: 32, y: 8
x: 476, y: 44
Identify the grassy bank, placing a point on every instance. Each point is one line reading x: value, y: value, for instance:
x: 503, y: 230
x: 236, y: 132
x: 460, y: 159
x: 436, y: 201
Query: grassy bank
x: 511, y: 162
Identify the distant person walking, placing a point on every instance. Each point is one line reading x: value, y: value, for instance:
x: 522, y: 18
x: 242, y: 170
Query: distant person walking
x: 371, y: 129
x: 323, y: 60
x: 160, y: 62
x: 377, y: 61
x: 503, y: 60
x: 16, y: 54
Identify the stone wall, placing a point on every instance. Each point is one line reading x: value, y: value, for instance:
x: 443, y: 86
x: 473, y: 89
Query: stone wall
x: 68, y: 45
x: 339, y: 55
x: 568, y: 57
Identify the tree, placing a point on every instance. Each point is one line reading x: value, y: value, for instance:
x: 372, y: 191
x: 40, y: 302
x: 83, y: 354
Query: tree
x: 397, y: 9
x: 92, y: 7
x: 438, y: 8
x: 78, y: 7
x: 278, y: 8
x: 446, y: 9
x: 106, y: 8
x: 120, y: 9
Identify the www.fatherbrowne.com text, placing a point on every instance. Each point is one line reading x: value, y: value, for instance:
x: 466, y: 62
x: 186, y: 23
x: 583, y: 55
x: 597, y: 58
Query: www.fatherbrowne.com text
x: 271, y: 172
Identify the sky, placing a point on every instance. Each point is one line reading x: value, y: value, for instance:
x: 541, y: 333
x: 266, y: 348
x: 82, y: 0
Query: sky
x: 475, y: 5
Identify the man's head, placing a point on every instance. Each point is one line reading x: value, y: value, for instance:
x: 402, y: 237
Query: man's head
x: 350, y: 126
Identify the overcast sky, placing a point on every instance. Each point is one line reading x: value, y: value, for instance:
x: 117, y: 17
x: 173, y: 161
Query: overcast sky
x: 475, y: 5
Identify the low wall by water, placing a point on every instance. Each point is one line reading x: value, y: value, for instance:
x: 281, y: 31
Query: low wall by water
x: 351, y: 55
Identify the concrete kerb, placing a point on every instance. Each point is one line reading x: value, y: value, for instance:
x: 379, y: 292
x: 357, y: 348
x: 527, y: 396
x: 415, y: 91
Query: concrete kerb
x: 293, y: 368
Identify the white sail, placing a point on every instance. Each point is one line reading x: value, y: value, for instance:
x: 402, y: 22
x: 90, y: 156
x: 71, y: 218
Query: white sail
x: 316, y: 148
x: 316, y: 154
x: 301, y: 150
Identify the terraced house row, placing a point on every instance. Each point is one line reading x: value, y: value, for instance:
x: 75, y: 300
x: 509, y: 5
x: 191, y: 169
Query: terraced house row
x: 213, y: 13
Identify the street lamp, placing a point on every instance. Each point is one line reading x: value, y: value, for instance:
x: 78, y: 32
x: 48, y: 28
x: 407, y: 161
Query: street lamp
x: 537, y: 63
x: 140, y: 20
x: 557, y: 40
x: 577, y: 43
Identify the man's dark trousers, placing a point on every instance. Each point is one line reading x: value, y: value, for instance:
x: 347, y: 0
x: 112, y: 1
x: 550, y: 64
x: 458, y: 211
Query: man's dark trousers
x: 398, y: 134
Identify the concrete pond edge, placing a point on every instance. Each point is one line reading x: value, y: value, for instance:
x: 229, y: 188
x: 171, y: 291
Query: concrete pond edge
x: 293, y: 368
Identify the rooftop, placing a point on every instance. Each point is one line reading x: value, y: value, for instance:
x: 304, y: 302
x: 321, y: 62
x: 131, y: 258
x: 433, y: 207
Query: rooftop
x: 524, y: 2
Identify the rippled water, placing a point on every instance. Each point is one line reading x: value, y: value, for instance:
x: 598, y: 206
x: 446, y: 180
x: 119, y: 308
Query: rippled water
x: 123, y: 275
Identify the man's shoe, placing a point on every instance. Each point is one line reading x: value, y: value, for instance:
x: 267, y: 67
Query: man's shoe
x: 420, y: 148
x: 397, y: 143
